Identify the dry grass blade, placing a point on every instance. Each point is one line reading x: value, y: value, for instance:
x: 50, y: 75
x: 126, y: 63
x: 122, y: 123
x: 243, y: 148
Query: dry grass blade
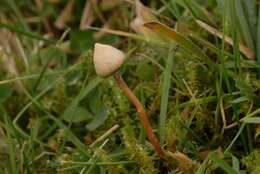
x: 106, y: 134
x: 185, y: 164
x: 101, y: 33
x: 243, y: 49
x: 116, y: 32
x: 19, y: 50
x: 65, y: 15
x: 87, y: 16
x: 223, y: 115
x: 126, y: 34
x: 8, y: 63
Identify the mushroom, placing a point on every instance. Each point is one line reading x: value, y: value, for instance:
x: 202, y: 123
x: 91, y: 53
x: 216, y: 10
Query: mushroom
x: 107, y: 60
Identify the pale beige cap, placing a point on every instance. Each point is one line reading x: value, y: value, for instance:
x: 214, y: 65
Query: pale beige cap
x: 107, y: 59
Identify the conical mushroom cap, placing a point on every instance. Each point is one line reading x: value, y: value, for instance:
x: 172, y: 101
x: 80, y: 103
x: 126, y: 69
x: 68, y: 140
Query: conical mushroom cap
x: 107, y: 59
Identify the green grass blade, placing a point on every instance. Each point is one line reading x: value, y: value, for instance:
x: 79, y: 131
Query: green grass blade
x: 203, y: 167
x: 222, y: 164
x: 173, y: 8
x: 244, y: 25
x: 165, y: 94
x: 13, y: 6
x: 251, y: 16
x: 188, y: 45
x: 209, y: 45
x: 24, y: 109
x: 235, y: 138
x: 69, y: 134
x: 25, y: 33
x: 197, y: 11
x: 68, y: 113
x: 252, y: 120
x: 11, y: 143
x: 258, y: 42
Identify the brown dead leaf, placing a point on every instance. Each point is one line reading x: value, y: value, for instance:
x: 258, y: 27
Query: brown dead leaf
x: 143, y: 15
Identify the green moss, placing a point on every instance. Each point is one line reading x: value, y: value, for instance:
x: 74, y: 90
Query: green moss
x: 252, y: 162
x: 137, y: 152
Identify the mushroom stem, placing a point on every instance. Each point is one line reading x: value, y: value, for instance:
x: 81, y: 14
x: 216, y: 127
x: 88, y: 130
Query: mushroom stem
x: 142, y: 115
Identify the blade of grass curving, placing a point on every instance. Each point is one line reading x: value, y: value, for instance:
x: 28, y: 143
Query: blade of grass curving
x: 19, y: 115
x: 222, y: 164
x: 129, y: 35
x: 209, y: 45
x: 235, y: 138
x: 188, y: 45
x: 117, y: 32
x: 243, y: 49
x: 43, y: 71
x: 25, y: 33
x: 69, y: 134
x: 165, y: 93
x: 31, y: 76
x: 52, y: 53
x: 85, y: 89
